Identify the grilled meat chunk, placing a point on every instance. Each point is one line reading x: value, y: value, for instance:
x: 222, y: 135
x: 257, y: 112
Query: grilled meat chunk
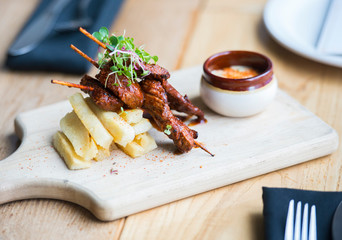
x: 103, y: 97
x: 155, y: 89
x: 127, y: 91
x: 156, y: 105
x: 156, y: 71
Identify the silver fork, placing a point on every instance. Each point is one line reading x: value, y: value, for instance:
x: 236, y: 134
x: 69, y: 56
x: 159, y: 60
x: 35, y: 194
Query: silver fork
x: 297, y: 229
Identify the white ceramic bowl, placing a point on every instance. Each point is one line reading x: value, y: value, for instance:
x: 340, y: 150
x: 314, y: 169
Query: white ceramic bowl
x: 238, y: 97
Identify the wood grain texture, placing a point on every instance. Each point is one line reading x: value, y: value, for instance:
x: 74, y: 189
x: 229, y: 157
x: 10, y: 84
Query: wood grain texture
x: 202, y: 28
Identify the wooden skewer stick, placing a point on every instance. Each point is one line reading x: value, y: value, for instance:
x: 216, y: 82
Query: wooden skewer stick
x: 82, y: 30
x: 92, y: 61
x: 74, y: 85
x: 200, y: 145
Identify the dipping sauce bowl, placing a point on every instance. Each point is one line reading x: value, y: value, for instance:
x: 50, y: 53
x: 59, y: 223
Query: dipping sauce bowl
x: 239, y: 94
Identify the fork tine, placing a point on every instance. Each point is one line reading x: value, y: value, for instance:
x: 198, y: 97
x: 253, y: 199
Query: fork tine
x: 305, y: 222
x: 312, y: 228
x: 289, y: 222
x: 298, y: 221
x: 298, y: 230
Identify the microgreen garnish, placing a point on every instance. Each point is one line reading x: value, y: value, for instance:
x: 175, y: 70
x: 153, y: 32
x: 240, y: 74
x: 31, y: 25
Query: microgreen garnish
x: 122, y: 111
x: 167, y: 130
x: 126, y: 57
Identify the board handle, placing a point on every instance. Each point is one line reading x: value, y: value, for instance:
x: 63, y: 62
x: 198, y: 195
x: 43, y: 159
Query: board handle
x: 40, y: 119
x: 21, y: 189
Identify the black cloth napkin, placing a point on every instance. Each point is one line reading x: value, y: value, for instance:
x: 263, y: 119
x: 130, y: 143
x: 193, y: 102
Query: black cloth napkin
x: 276, y: 201
x: 54, y: 53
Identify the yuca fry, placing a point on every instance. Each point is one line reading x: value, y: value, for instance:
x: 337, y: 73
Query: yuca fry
x: 65, y: 149
x: 142, y: 126
x: 133, y: 149
x: 121, y: 131
x: 99, y: 133
x: 78, y: 135
x: 141, y: 144
x: 132, y: 116
x: 104, y: 153
x: 101, y: 154
x: 146, y: 141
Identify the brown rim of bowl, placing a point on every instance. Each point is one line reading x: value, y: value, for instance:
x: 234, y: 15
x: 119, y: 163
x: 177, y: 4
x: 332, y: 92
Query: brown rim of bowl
x: 246, y: 58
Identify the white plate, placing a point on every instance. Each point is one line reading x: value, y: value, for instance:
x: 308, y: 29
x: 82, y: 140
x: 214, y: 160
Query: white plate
x: 296, y: 25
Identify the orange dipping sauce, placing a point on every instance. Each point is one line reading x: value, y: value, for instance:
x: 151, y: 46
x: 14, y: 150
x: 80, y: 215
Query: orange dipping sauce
x: 236, y: 72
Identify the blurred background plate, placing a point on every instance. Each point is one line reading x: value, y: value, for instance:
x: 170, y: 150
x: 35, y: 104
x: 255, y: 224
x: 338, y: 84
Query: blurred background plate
x: 296, y: 25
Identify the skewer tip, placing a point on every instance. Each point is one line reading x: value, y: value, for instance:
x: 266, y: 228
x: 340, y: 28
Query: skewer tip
x: 200, y: 145
x: 86, y: 33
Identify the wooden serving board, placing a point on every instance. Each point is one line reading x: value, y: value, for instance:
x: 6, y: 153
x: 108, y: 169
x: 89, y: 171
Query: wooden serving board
x: 284, y: 134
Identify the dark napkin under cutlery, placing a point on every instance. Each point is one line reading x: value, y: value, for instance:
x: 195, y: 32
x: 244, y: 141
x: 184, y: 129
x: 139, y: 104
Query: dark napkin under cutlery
x: 48, y: 48
x: 276, y: 202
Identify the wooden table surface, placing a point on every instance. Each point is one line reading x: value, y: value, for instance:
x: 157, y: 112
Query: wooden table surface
x: 182, y: 34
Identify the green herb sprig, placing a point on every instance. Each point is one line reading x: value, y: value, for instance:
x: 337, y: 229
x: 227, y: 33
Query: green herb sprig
x: 167, y: 130
x: 122, y: 111
x: 126, y: 57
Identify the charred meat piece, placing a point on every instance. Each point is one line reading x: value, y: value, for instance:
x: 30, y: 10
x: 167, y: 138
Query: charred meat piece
x: 156, y: 71
x: 129, y: 92
x: 181, y: 104
x: 100, y: 95
x: 193, y: 133
x: 158, y: 108
x: 155, y: 89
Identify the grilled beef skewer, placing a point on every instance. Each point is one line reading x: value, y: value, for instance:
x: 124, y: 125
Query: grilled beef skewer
x: 100, y: 95
x: 103, y: 97
x: 156, y: 105
x: 152, y: 87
